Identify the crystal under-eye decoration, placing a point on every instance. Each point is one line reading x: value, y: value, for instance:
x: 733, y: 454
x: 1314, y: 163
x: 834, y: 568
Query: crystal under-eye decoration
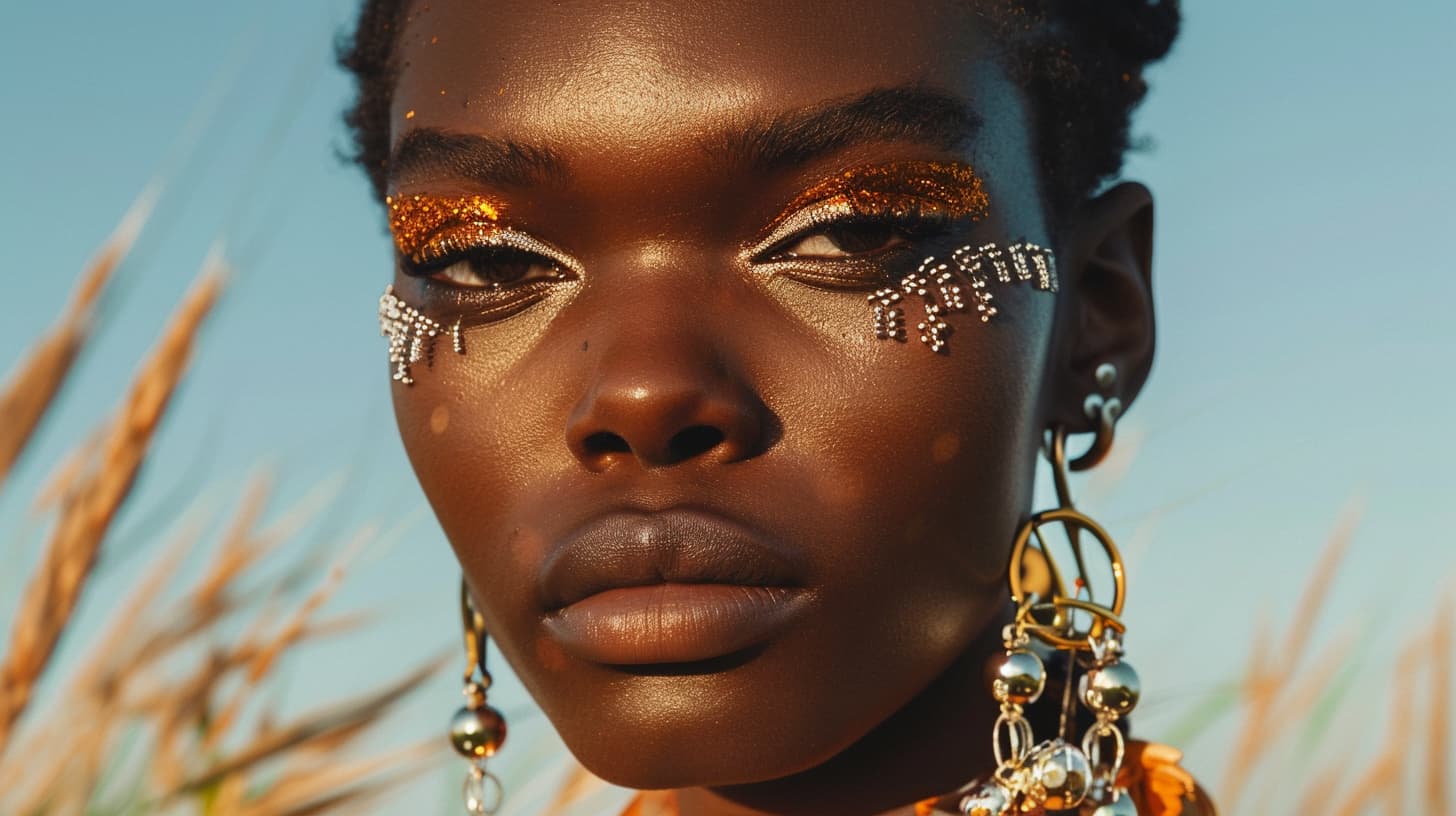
x: 411, y: 335
x: 949, y: 286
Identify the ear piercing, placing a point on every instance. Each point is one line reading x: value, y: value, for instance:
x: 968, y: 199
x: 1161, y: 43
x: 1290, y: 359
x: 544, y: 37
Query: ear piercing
x: 946, y: 287
x: 1102, y: 410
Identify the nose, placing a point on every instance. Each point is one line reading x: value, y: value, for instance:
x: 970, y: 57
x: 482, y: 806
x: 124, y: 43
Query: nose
x: 664, y: 398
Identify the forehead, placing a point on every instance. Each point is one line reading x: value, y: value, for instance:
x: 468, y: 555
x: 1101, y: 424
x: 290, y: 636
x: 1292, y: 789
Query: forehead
x: 641, y: 74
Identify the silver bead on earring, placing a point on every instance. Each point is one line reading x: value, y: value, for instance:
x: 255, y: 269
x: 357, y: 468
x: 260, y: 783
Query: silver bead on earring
x: 477, y: 730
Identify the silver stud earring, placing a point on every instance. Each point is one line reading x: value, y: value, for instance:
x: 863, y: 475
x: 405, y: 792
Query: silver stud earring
x: 1100, y: 402
x: 1102, y: 410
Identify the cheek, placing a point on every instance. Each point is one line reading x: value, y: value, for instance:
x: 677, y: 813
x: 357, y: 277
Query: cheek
x: 470, y: 440
x: 923, y: 466
x: 926, y: 459
x: 468, y: 423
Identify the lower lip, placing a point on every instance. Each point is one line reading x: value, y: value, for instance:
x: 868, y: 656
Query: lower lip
x: 673, y: 623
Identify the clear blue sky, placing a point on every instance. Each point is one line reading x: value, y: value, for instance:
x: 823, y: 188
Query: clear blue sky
x: 1301, y: 156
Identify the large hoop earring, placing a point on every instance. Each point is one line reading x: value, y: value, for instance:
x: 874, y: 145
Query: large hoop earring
x: 477, y: 731
x: 1063, y: 772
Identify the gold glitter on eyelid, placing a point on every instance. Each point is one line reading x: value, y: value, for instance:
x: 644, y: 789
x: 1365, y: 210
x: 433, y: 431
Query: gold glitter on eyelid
x: 415, y: 220
x: 900, y: 188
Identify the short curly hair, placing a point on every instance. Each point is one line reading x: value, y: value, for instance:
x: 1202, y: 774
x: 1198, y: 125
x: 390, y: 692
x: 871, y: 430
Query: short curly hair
x: 1080, y: 62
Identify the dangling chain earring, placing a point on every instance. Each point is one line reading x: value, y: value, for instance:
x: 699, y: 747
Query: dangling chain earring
x: 477, y: 730
x: 1062, y: 773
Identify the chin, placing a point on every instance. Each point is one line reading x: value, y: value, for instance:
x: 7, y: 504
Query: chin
x: 661, y: 727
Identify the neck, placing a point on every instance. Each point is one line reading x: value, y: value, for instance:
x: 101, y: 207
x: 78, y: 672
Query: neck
x: 935, y: 744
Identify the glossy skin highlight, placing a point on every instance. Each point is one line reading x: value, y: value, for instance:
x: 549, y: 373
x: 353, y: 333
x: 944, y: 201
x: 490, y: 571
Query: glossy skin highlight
x: 684, y: 366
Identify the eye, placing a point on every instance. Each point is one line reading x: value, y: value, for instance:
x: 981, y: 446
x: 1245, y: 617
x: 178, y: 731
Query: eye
x: 470, y: 258
x: 847, y: 238
x: 489, y: 268
x: 857, y: 237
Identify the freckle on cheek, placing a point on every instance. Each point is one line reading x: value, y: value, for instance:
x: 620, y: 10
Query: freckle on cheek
x: 439, y: 419
x: 945, y: 447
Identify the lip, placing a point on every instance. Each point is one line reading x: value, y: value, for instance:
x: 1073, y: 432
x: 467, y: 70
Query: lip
x: 678, y: 586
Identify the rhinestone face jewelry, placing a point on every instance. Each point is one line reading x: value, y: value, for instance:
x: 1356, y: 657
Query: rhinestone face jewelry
x: 945, y: 287
x: 411, y: 335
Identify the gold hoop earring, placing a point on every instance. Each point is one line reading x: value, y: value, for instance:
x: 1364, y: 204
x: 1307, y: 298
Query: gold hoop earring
x: 477, y: 731
x: 1063, y: 772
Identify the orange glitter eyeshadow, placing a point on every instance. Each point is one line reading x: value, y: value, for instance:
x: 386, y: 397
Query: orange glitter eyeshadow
x: 901, y: 188
x: 416, y: 219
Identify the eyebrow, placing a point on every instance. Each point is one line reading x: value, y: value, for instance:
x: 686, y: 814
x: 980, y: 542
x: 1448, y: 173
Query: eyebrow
x: 910, y: 113
x: 431, y: 151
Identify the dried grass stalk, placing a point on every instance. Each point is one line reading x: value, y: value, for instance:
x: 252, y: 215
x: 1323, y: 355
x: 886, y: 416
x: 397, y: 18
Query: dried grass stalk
x: 311, y: 790
x: 265, y: 656
x: 96, y: 685
x: 1438, y: 738
x: 350, y: 716
x: 1383, y: 779
x: 93, y: 500
x: 37, y: 379
x: 1267, y: 678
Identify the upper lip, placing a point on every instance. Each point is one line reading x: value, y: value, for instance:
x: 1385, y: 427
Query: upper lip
x: 631, y: 548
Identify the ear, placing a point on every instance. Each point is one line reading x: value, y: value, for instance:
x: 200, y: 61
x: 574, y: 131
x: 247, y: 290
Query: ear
x: 1105, y: 310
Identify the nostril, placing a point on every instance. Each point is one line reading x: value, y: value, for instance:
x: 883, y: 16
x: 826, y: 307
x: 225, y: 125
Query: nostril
x: 694, y: 440
x: 605, y: 442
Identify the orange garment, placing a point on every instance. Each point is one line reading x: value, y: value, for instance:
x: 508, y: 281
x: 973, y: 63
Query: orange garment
x: 1150, y: 773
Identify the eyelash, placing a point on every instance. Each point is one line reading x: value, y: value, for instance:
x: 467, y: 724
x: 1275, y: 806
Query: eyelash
x: 852, y: 270
x: 494, y: 248
x: 484, y: 249
x: 492, y: 258
x: 910, y: 227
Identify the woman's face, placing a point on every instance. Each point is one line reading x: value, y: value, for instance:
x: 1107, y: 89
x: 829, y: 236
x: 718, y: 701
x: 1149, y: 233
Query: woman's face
x: 719, y: 529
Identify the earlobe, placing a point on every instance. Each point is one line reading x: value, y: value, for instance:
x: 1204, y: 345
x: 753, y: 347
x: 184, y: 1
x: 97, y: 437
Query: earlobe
x: 1105, y: 315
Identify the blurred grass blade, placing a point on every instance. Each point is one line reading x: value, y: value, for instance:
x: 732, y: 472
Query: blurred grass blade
x: 92, y: 501
x: 39, y: 377
x: 347, y: 716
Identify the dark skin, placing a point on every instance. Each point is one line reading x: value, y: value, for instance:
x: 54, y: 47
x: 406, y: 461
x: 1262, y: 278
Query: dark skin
x: 899, y: 475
